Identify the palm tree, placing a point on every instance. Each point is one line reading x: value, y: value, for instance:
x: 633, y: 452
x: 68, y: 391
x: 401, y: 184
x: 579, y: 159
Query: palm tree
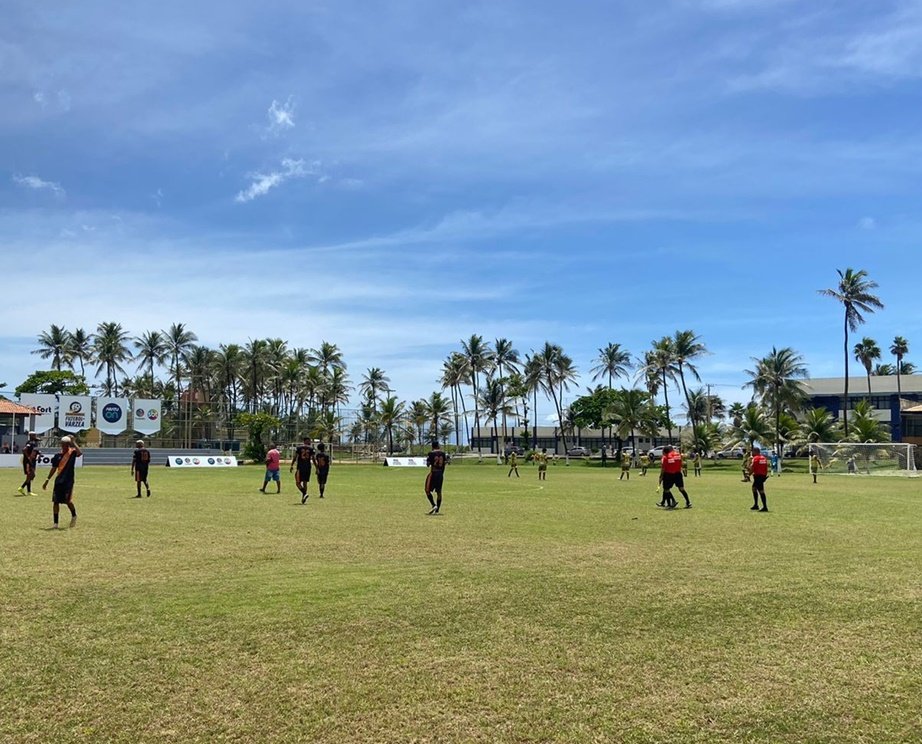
x: 754, y: 426
x: 899, y: 348
x: 419, y: 417
x: 110, y: 351
x: 884, y: 370
x: 328, y: 357
x: 392, y: 411
x: 775, y: 380
x: 455, y: 374
x: 557, y: 372
x: 151, y: 349
x: 818, y: 426
x: 854, y: 292
x: 632, y: 411
x: 736, y: 412
x: 479, y: 359
x: 531, y: 377
x: 80, y: 347
x: 493, y: 401
x: 179, y: 341
x: 438, y: 413
x: 54, y: 344
x: 686, y: 347
x: 660, y: 363
x: 255, y: 370
x: 866, y: 351
x: 374, y: 382
x: 612, y: 362
x: 228, y: 364
x: 505, y: 359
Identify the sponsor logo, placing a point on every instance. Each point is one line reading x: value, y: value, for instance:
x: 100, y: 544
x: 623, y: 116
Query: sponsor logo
x: 196, y: 461
x: 153, y: 414
x: 211, y: 461
x: 227, y: 461
x: 188, y: 460
x: 75, y: 406
x: 178, y: 461
x: 112, y: 412
x: 43, y: 410
x: 139, y: 413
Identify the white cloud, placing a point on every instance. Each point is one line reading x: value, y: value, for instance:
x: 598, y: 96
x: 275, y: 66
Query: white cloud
x: 38, y: 184
x: 281, y: 116
x: 867, y: 223
x: 39, y: 98
x: 264, y: 182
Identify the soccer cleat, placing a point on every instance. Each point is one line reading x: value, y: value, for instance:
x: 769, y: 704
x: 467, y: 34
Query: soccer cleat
x: 753, y: 508
x: 148, y: 493
x: 54, y: 526
x: 73, y: 521
x: 22, y: 491
x: 303, y: 498
x: 432, y: 511
x: 32, y: 494
x: 138, y: 496
x: 764, y: 509
x: 688, y: 505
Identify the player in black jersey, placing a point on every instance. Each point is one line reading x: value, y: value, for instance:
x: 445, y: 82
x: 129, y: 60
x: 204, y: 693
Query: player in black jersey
x: 140, y: 464
x: 436, y: 460
x: 62, y: 468
x: 322, y: 461
x: 30, y: 455
x: 303, y: 460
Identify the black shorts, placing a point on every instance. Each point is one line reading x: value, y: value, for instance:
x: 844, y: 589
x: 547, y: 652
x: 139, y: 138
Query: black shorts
x: 304, y: 475
x: 62, y: 492
x: 140, y: 474
x: 434, y: 481
x: 321, y: 476
x: 28, y: 470
x: 759, y: 480
x: 673, y: 479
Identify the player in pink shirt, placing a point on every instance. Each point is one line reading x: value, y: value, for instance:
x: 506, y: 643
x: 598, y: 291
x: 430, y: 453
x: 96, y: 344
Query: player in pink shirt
x: 273, y: 460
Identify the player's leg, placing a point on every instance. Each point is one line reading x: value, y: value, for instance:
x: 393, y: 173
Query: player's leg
x: 429, y: 493
x: 277, y: 477
x: 321, y: 483
x: 137, y: 483
x: 762, y: 494
x: 755, y: 498
x: 71, y: 507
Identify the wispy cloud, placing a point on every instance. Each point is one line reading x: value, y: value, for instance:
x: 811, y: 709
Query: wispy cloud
x: 39, y: 184
x: 263, y: 183
x: 281, y: 116
x: 867, y: 223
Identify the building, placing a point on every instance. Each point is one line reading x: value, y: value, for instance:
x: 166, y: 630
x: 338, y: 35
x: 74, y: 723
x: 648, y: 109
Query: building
x: 890, y: 407
x: 15, y: 422
x: 488, y: 440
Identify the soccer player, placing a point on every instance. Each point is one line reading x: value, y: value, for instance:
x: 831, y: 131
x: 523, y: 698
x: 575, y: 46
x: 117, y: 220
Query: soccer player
x: 775, y: 461
x: 604, y: 456
x: 759, y: 468
x: 322, y: 461
x: 671, y: 475
x: 625, y: 465
x: 814, y: 465
x: 513, y: 464
x: 140, y: 464
x: 541, y: 459
x: 30, y: 454
x: 436, y: 460
x: 747, y: 466
x: 273, y: 460
x: 62, y: 468
x: 696, y: 461
x: 303, y: 459
x: 644, y: 463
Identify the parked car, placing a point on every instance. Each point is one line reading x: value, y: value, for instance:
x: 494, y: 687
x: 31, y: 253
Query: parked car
x: 656, y: 451
x: 578, y: 452
x: 510, y: 448
x: 731, y: 453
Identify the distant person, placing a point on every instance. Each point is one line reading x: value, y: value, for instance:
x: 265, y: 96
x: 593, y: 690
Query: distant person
x: 140, y: 464
x: 747, y: 466
x: 604, y: 456
x: 696, y: 461
x: 303, y: 460
x: 436, y: 460
x: 684, y: 463
x: 775, y: 461
x: 273, y: 461
x: 814, y: 465
x: 671, y: 475
x: 322, y: 461
x: 62, y: 468
x: 759, y: 476
x: 644, y: 463
x: 852, y: 465
x: 30, y: 455
x: 625, y: 466
x: 541, y: 459
x: 513, y: 464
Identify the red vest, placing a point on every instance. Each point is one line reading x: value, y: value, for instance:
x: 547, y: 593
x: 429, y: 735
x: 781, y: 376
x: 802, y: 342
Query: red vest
x: 759, y: 465
x: 672, y: 463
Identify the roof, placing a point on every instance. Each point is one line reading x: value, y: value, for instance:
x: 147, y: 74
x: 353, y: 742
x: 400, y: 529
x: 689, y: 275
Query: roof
x: 8, y: 407
x: 858, y: 386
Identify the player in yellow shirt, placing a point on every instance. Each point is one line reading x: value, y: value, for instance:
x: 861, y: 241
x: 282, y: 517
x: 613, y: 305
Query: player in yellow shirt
x: 541, y: 459
x: 625, y: 466
x: 644, y: 463
x: 513, y: 464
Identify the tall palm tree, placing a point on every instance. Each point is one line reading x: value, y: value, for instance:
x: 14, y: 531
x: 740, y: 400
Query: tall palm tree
x: 492, y: 400
x: 151, y: 349
x: 54, y: 344
x: 328, y: 357
x: 455, y: 374
x: 179, y: 341
x: 506, y: 360
x: 885, y: 370
x: 110, y: 350
x: 228, y: 364
x: 479, y: 360
x: 392, y: 411
x: 632, y: 411
x: 818, y: 426
x: 660, y: 363
x: 557, y: 372
x: 776, y: 380
x: 612, y: 362
x: 753, y: 426
x: 899, y: 348
x: 531, y: 375
x: 854, y: 292
x: 686, y: 347
x: 866, y: 351
x: 80, y: 347
x: 438, y: 413
x: 255, y: 370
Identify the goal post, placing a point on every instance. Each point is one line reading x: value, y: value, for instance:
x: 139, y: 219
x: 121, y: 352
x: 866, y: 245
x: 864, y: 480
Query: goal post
x: 864, y: 458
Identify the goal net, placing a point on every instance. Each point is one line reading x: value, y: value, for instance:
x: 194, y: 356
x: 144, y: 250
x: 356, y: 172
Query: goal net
x: 850, y: 458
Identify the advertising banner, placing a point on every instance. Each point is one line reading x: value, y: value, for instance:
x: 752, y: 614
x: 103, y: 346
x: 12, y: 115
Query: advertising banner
x: 43, y: 461
x: 74, y: 412
x: 201, y: 461
x: 405, y: 462
x: 146, y: 415
x: 112, y: 415
x: 44, y: 403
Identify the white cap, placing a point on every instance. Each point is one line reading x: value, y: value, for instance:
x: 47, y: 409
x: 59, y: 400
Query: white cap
x: 140, y: 441
x: 66, y: 440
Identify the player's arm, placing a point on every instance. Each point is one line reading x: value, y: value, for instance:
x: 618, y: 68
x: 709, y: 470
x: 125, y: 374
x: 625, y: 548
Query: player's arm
x: 77, y: 451
x: 293, y: 461
x: 50, y: 474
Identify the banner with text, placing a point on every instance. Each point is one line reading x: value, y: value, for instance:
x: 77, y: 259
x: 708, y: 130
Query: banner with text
x: 201, y: 461
x: 43, y: 461
x: 112, y: 415
x: 406, y: 462
x: 45, y: 404
x: 74, y: 412
x: 146, y: 415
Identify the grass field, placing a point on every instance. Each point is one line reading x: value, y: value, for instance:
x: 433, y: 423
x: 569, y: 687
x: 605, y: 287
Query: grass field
x: 576, y: 611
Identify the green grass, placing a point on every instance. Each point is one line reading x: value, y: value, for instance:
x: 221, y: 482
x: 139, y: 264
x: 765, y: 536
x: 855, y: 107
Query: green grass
x: 573, y: 612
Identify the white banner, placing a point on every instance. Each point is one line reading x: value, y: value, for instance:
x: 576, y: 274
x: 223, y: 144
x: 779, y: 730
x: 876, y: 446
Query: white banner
x: 406, y: 462
x: 112, y: 415
x: 201, y: 461
x: 74, y: 412
x: 44, y: 403
x: 43, y: 461
x: 146, y: 415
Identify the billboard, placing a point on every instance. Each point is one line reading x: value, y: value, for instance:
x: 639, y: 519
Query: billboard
x: 201, y: 461
x: 74, y: 412
x: 44, y: 403
x: 112, y: 415
x: 147, y: 415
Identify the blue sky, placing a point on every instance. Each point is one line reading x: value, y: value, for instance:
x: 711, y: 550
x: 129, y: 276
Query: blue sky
x: 393, y: 177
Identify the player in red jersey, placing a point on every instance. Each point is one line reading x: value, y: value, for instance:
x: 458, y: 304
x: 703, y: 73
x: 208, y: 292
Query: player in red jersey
x: 671, y: 475
x: 759, y: 467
